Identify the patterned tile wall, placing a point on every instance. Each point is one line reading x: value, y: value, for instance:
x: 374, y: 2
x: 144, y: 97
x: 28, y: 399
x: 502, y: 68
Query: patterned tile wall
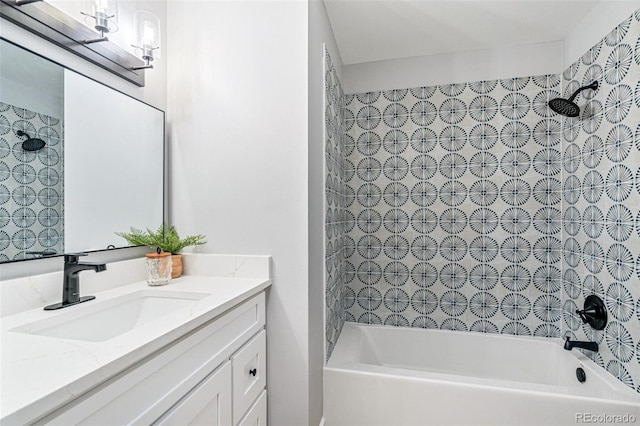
x: 335, y: 190
x: 601, y: 198
x: 454, y: 215
x: 474, y: 207
x: 31, y: 201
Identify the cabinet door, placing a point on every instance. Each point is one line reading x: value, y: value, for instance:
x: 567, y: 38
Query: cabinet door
x: 249, y: 374
x: 257, y: 415
x: 208, y: 404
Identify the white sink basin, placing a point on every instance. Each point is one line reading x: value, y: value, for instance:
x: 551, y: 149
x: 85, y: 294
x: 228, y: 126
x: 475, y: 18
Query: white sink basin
x: 97, y: 321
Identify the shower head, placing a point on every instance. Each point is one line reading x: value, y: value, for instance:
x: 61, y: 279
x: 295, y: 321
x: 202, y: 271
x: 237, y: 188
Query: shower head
x: 567, y: 107
x: 31, y: 144
x: 564, y: 107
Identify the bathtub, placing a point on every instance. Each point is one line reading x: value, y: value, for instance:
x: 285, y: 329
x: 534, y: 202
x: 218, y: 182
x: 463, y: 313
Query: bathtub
x: 392, y: 376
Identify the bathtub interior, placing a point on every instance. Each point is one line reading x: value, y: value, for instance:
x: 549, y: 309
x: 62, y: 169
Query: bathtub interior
x: 517, y: 362
x: 475, y: 355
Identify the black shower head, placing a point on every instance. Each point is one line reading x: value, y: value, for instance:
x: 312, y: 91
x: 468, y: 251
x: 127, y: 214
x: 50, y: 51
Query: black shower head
x: 31, y: 144
x: 567, y: 107
x: 564, y: 107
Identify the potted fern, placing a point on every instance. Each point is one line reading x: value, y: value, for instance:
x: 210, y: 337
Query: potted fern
x: 166, y: 237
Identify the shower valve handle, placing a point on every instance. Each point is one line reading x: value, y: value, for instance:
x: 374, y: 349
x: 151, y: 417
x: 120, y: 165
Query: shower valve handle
x: 586, y: 314
x: 594, y: 312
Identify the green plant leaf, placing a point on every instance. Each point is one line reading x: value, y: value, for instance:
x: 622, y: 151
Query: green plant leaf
x: 166, y: 237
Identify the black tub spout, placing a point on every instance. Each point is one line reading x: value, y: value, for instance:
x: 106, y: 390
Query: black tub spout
x: 570, y: 344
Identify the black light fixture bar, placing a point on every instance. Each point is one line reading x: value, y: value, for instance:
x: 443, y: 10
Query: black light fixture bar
x: 23, y: 2
x: 59, y: 28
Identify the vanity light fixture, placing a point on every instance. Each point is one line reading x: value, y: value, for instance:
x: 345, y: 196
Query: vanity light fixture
x: 105, y: 16
x: 54, y: 25
x: 147, y: 29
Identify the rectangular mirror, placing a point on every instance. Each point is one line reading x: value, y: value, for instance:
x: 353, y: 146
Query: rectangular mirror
x: 78, y: 160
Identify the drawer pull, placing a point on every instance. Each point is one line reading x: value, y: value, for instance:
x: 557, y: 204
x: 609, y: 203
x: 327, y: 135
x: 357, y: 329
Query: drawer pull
x: 253, y: 372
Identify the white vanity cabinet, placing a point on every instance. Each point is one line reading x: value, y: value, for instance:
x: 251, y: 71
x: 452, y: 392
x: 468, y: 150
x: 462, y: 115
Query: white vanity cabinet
x: 234, y: 394
x: 213, y: 375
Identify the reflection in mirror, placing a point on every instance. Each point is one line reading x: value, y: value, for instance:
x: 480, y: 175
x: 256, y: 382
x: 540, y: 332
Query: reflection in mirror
x: 101, y: 168
x: 113, y: 174
x: 31, y: 184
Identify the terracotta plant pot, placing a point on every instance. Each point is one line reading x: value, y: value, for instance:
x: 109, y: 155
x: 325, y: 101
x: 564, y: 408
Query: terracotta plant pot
x: 176, y: 265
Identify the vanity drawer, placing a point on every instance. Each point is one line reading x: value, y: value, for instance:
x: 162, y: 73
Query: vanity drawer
x: 145, y: 391
x: 257, y: 415
x: 249, y: 374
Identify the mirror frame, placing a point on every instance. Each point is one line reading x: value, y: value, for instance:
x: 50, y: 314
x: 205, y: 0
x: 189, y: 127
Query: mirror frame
x: 53, y: 25
x: 165, y: 165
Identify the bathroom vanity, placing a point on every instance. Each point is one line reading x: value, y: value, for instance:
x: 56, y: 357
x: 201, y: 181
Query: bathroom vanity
x: 190, y: 352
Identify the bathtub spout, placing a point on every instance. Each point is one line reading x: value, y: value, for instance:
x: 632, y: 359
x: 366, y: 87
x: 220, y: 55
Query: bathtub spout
x: 569, y: 344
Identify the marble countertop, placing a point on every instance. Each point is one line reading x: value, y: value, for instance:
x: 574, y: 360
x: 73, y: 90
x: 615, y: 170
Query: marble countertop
x: 40, y: 373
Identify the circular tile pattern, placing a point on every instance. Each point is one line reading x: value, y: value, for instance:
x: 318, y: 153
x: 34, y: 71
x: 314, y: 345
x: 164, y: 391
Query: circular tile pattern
x: 478, y: 184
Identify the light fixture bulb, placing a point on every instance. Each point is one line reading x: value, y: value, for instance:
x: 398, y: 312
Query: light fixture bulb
x: 148, y: 34
x: 147, y: 30
x: 101, y: 6
x: 103, y: 18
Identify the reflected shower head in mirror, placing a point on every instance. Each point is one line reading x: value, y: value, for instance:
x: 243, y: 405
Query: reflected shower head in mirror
x: 567, y: 107
x: 31, y: 144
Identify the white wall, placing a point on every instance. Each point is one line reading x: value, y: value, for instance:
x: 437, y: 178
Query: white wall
x: 319, y: 34
x: 532, y: 59
x: 595, y: 25
x: 238, y: 105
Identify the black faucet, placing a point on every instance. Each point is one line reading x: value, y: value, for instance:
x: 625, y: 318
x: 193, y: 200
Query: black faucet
x: 569, y: 344
x: 71, y: 281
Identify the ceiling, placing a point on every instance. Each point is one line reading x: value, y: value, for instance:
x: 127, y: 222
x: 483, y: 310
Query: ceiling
x: 376, y: 30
